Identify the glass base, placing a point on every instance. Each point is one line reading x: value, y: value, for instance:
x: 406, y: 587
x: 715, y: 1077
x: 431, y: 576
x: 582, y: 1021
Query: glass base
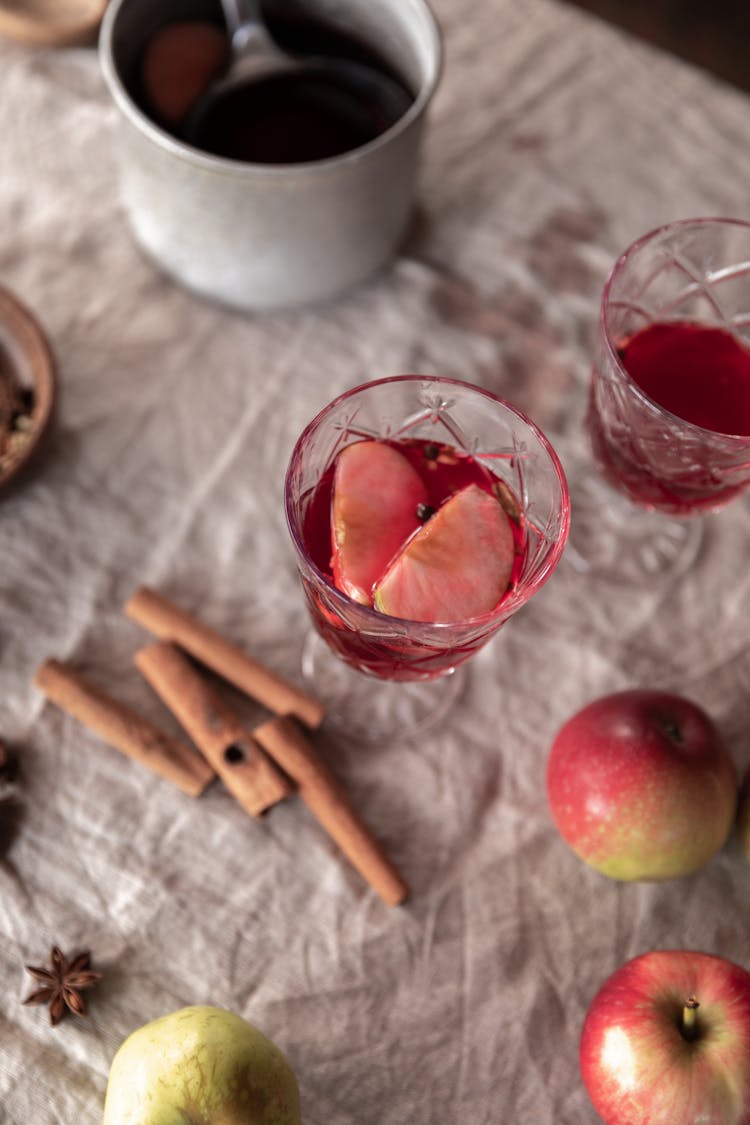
x: 371, y: 711
x: 613, y: 538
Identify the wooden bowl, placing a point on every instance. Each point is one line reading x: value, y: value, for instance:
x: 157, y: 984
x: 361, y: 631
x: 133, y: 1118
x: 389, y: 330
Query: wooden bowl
x: 27, y: 386
x: 51, y: 23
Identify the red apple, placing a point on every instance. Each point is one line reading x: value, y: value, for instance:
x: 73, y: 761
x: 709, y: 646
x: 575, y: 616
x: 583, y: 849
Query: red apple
x: 666, y: 1041
x: 641, y: 785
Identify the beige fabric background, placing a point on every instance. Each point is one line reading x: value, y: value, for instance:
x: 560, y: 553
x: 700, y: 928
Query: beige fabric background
x: 554, y: 141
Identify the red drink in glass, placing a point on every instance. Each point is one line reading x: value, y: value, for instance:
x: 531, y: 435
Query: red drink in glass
x: 484, y: 441
x: 699, y: 372
x: 444, y: 470
x: 669, y: 406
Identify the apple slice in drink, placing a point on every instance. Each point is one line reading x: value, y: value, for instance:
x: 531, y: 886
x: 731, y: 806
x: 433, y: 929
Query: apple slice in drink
x: 376, y: 494
x: 457, y: 566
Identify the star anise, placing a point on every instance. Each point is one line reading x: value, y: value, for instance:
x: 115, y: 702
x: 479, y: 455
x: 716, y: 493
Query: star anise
x: 62, y: 984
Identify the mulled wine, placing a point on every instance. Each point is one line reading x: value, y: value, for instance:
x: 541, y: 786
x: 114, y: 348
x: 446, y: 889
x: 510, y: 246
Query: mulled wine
x: 290, y: 117
x: 416, y: 546
x: 488, y: 563
x: 443, y: 469
x: 690, y: 372
x: 699, y: 372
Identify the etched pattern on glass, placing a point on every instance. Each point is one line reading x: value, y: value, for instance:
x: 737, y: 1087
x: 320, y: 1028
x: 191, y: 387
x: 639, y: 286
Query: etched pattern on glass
x: 692, y: 271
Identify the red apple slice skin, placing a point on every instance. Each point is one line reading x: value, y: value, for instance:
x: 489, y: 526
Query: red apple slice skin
x: 376, y: 492
x: 456, y: 567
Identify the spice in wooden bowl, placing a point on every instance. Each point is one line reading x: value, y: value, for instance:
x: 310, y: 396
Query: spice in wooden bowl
x: 27, y: 385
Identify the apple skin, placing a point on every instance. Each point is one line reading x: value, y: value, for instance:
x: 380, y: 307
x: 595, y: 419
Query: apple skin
x: 201, y: 1065
x: 641, y: 785
x: 639, y: 1068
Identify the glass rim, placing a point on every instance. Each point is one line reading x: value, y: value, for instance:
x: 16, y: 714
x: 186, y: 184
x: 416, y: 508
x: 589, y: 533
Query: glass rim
x: 736, y: 440
x: 500, y: 611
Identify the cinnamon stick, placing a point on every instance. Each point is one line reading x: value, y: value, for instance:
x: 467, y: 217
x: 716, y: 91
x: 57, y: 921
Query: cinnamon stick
x: 282, y: 739
x: 161, y: 617
x: 123, y: 728
x: 240, y: 763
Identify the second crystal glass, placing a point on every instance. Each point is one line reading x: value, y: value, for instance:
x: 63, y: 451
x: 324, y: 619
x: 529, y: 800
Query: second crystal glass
x: 669, y: 411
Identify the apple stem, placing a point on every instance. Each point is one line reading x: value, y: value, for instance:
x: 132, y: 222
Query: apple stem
x: 689, y: 1026
x: 672, y: 730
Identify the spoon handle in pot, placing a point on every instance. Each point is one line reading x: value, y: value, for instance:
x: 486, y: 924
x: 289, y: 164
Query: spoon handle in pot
x: 246, y: 26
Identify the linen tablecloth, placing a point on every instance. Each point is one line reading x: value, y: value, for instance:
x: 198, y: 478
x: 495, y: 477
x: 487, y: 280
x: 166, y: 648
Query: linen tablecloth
x: 554, y: 141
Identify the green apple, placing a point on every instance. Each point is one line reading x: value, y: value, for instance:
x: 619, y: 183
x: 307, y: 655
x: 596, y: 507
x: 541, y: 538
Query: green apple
x: 200, y: 1066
